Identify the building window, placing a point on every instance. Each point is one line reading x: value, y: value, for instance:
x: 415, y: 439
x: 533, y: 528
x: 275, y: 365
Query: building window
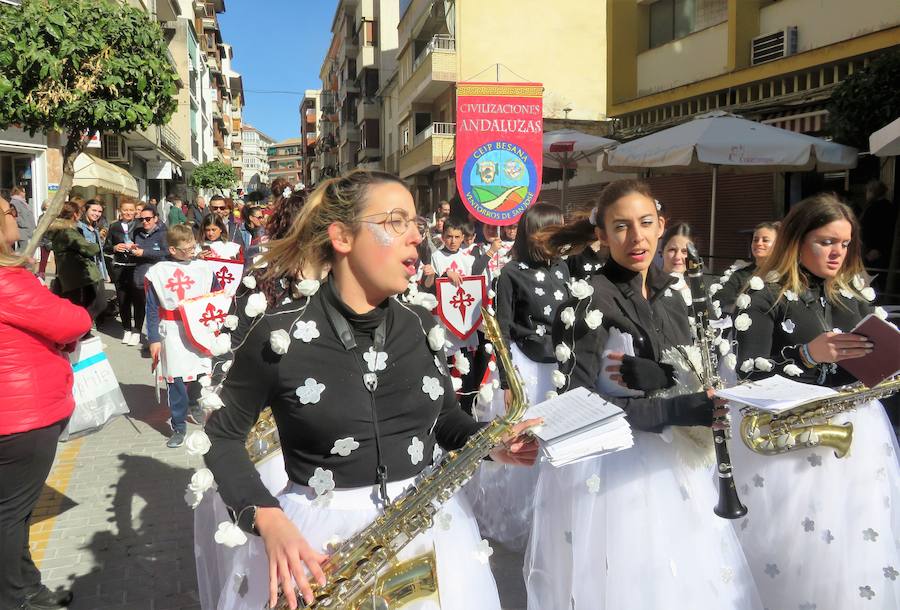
x: 672, y: 19
x: 369, y: 34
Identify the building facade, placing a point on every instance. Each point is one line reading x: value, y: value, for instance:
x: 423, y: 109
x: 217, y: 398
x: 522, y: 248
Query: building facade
x: 310, y: 115
x: 286, y: 160
x: 254, y: 157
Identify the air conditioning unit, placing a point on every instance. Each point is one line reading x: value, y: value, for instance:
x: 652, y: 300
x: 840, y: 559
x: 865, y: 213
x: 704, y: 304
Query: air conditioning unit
x: 770, y: 47
x: 114, y: 148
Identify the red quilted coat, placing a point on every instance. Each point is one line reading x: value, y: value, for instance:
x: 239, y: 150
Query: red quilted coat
x: 35, y: 376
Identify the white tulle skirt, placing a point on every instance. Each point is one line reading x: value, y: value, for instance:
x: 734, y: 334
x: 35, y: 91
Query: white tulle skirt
x: 500, y: 494
x: 633, y: 530
x: 824, y: 533
x: 463, y: 570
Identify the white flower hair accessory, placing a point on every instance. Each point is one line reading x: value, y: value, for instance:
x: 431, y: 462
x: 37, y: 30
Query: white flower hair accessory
x: 658, y: 205
x: 287, y: 192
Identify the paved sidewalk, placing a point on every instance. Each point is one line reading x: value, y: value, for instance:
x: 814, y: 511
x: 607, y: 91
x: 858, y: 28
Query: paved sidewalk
x: 112, y: 523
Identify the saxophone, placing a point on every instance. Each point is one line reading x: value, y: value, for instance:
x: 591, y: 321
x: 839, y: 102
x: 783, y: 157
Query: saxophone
x: 363, y: 573
x: 808, y: 424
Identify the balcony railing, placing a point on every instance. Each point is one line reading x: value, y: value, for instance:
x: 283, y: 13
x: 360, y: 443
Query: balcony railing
x: 440, y: 42
x: 170, y: 140
x: 435, y: 129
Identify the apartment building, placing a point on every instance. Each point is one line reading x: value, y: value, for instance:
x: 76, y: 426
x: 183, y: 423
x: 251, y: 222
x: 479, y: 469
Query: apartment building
x: 772, y: 61
x: 232, y: 109
x: 444, y: 42
x: 254, y: 157
x: 286, y: 160
x: 310, y: 114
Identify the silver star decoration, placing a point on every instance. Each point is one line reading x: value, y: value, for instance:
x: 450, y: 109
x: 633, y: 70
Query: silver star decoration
x: 814, y: 460
x: 870, y: 535
x: 866, y: 592
x: 758, y: 481
x: 809, y: 525
x: 827, y: 537
x: 890, y: 573
x: 807, y: 606
x: 772, y: 570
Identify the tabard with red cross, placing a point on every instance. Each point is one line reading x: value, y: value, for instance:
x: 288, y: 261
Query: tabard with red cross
x: 174, y: 282
x: 459, y: 307
x: 203, y: 318
x: 228, y: 273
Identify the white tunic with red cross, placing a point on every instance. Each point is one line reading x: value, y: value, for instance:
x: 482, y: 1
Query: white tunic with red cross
x: 461, y: 262
x: 173, y: 282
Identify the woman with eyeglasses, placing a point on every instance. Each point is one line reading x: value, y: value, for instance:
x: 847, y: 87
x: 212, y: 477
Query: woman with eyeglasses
x: 150, y: 247
x: 359, y: 389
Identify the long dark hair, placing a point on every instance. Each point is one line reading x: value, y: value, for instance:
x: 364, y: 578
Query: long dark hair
x: 536, y: 218
x: 213, y: 220
x: 283, y: 215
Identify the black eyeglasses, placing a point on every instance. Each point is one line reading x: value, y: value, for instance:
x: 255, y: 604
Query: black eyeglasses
x: 147, y: 218
x: 218, y: 207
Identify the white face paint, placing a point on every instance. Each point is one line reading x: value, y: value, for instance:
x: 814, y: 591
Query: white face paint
x: 381, y: 235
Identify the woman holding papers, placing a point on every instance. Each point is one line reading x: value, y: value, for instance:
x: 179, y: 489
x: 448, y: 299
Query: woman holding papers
x: 529, y: 293
x: 822, y: 532
x: 633, y: 529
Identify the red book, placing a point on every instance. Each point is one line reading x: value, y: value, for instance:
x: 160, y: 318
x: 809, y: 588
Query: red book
x: 884, y: 361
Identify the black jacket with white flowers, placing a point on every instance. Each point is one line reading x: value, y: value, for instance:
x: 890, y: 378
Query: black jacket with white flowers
x: 326, y: 417
x: 769, y: 331
x: 655, y: 324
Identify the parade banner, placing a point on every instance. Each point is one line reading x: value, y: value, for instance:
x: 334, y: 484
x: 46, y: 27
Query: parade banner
x: 459, y: 307
x: 499, y: 148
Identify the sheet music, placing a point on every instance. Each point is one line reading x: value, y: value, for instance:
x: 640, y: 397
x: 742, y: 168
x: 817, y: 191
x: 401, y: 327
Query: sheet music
x: 570, y: 412
x: 775, y: 393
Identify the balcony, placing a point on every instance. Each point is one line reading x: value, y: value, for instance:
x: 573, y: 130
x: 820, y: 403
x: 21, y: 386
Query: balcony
x: 367, y: 108
x: 349, y: 132
x: 432, y: 147
x: 432, y: 71
x: 170, y: 141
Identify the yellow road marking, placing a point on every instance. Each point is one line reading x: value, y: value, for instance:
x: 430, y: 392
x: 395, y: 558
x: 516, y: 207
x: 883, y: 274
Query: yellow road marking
x: 50, y: 502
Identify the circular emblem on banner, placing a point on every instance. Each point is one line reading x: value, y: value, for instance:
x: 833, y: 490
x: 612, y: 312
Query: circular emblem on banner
x: 499, y: 182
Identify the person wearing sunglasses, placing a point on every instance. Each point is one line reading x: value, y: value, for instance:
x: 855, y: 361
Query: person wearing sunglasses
x: 150, y: 247
x: 222, y: 207
x: 252, y: 231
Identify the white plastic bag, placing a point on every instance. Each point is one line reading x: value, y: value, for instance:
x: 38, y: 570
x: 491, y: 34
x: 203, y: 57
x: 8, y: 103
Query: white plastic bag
x: 98, y: 397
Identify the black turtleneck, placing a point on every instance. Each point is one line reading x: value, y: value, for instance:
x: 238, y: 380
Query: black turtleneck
x: 779, y: 326
x: 657, y: 322
x: 409, y: 420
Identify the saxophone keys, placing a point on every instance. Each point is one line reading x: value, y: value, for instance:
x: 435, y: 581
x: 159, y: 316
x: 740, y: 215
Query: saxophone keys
x: 785, y: 441
x: 808, y: 437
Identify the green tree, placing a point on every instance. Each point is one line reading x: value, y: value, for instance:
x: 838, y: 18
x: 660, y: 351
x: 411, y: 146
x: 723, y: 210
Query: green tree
x: 214, y: 175
x: 866, y: 101
x: 79, y: 67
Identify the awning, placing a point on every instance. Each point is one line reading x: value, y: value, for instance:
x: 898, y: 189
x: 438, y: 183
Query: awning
x: 886, y: 141
x: 801, y: 121
x: 91, y: 171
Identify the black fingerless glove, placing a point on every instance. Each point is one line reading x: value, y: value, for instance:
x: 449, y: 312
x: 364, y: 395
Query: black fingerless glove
x: 645, y: 374
x: 691, y: 410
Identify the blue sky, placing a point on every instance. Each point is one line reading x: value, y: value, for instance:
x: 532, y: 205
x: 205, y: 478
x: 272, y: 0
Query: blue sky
x: 278, y: 46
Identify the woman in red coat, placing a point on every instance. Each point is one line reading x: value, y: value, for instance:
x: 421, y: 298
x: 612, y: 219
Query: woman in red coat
x: 35, y: 404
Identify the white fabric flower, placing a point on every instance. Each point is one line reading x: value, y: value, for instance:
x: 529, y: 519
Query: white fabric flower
x: 256, y: 304
x: 485, y: 394
x: 287, y: 192
x: 742, y: 301
x: 747, y: 365
x: 548, y: 310
x: 593, y: 483
x: 231, y: 322
x: 793, y: 370
x: 845, y: 293
x: 456, y: 382
x: 376, y: 361
x: 881, y: 313
x: 580, y: 289
x: 488, y: 349
x: 436, y: 338
x: 192, y: 499
x: 788, y: 326
x: 249, y: 281
x: 416, y: 450
x: 306, y: 331
x: 558, y: 274
x: 593, y: 319
x: 432, y: 386
x: 667, y: 293
x: 322, y: 481
x: 230, y: 535
x: 424, y: 299
x: 197, y: 443
x: 279, y: 341
x: 210, y: 401
x: 730, y: 361
x: 539, y: 276
x: 310, y: 392
x: 523, y: 266
x: 221, y: 344
x: 540, y: 330
x: 756, y: 283
x: 762, y: 364
x: 201, y: 481
x: 568, y: 317
x: 550, y: 395
x: 539, y: 291
x: 492, y: 365
x: 491, y: 295
x: 716, y: 306
x: 483, y: 552
x: 344, y: 446
x: 558, y: 378
x: 742, y: 322
x: 858, y: 282
x: 461, y: 363
x: 790, y: 295
x: 558, y: 295
x: 724, y: 347
x: 307, y: 287
x: 868, y: 293
x: 563, y: 352
x: 714, y: 288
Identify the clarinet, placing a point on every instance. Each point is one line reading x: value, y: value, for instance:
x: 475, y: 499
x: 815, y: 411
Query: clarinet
x: 729, y: 505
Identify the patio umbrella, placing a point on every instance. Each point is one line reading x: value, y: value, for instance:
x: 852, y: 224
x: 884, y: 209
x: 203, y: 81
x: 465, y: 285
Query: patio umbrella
x: 567, y: 149
x: 723, y: 140
x: 886, y: 141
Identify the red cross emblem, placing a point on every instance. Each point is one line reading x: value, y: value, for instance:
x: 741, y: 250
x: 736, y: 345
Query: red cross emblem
x: 224, y: 276
x: 462, y: 300
x: 212, y: 314
x: 178, y: 283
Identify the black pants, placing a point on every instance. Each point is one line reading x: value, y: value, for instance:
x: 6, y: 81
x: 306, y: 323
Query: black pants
x: 92, y: 297
x: 25, y: 461
x: 130, y: 297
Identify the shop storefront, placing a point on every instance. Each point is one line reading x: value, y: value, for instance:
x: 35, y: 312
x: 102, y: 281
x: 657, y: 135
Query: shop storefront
x: 23, y: 162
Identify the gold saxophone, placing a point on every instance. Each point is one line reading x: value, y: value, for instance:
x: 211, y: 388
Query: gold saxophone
x: 363, y: 572
x: 808, y: 424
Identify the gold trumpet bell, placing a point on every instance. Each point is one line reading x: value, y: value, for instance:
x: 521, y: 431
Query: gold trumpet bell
x: 403, y: 583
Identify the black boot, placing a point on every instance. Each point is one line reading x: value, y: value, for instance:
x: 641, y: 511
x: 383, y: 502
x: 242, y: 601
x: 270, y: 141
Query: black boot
x: 45, y: 599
